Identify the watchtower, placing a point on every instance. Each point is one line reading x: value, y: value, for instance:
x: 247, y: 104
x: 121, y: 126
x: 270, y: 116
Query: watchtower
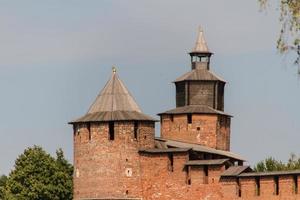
x: 198, y: 116
x: 106, y: 144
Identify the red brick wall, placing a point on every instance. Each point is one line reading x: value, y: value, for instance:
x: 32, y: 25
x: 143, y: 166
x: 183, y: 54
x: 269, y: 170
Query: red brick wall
x: 248, y: 188
x: 214, y: 173
x: 229, y: 188
x: 205, y: 129
x: 160, y: 183
x: 104, y: 168
x: 223, y: 133
x: 286, y: 184
x: 197, y: 175
x: 267, y: 188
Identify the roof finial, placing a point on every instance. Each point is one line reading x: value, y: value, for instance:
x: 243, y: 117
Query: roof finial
x: 200, y: 45
x: 114, y: 69
x: 200, y: 29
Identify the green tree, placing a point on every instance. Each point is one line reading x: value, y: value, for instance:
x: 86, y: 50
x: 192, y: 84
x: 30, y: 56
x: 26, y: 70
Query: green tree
x: 37, y: 175
x: 3, y: 180
x: 289, y: 37
x: 270, y: 164
x: 293, y: 162
x: 64, y: 176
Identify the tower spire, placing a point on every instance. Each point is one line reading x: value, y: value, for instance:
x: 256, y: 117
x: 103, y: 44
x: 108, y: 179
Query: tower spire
x: 201, y: 45
x: 200, y: 55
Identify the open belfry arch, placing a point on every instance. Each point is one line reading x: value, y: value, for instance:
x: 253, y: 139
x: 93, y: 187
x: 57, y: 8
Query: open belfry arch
x: 116, y: 154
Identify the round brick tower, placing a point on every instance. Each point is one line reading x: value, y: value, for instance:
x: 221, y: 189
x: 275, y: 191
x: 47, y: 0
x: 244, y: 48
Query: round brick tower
x: 106, y: 144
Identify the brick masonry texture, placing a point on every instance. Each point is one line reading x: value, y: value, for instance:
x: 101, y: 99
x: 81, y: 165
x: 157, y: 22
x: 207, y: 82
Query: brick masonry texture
x: 249, y: 189
x: 208, y: 130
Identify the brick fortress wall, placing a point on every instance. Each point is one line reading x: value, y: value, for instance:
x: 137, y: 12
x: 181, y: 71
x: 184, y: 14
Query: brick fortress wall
x: 164, y: 182
x: 265, y: 187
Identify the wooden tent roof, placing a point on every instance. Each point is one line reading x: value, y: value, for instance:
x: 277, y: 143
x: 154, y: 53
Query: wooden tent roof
x: 114, y: 97
x: 114, y: 103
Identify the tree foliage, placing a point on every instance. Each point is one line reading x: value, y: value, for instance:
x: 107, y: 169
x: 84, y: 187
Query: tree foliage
x: 289, y: 37
x: 3, y: 180
x: 37, y: 175
x: 270, y: 164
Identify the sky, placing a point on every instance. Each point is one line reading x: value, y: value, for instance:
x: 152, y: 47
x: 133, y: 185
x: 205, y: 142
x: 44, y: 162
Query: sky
x: 55, y: 57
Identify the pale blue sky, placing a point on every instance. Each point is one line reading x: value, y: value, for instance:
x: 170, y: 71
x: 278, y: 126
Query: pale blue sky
x: 55, y: 56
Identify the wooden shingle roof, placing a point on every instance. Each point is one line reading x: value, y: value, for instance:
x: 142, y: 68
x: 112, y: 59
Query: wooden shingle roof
x: 114, y: 103
x: 194, y: 109
x: 235, y: 171
x: 114, y: 97
x: 167, y: 143
x: 272, y: 173
x: 206, y: 162
x: 199, y: 75
x: 114, y: 116
x: 168, y: 150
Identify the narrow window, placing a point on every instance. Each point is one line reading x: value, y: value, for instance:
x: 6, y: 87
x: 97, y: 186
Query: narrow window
x: 239, y: 188
x: 276, y: 182
x: 295, y: 184
x: 171, y: 118
x: 227, y: 122
x: 205, y: 174
x: 111, y: 131
x: 257, y: 185
x: 188, y: 177
x: 74, y: 130
x: 189, y: 118
x: 223, y: 121
x: 135, y: 130
x: 88, y: 126
x: 171, y: 162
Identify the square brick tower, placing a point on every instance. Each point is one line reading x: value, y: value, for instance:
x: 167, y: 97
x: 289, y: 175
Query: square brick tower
x: 199, y: 114
x: 106, y: 144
